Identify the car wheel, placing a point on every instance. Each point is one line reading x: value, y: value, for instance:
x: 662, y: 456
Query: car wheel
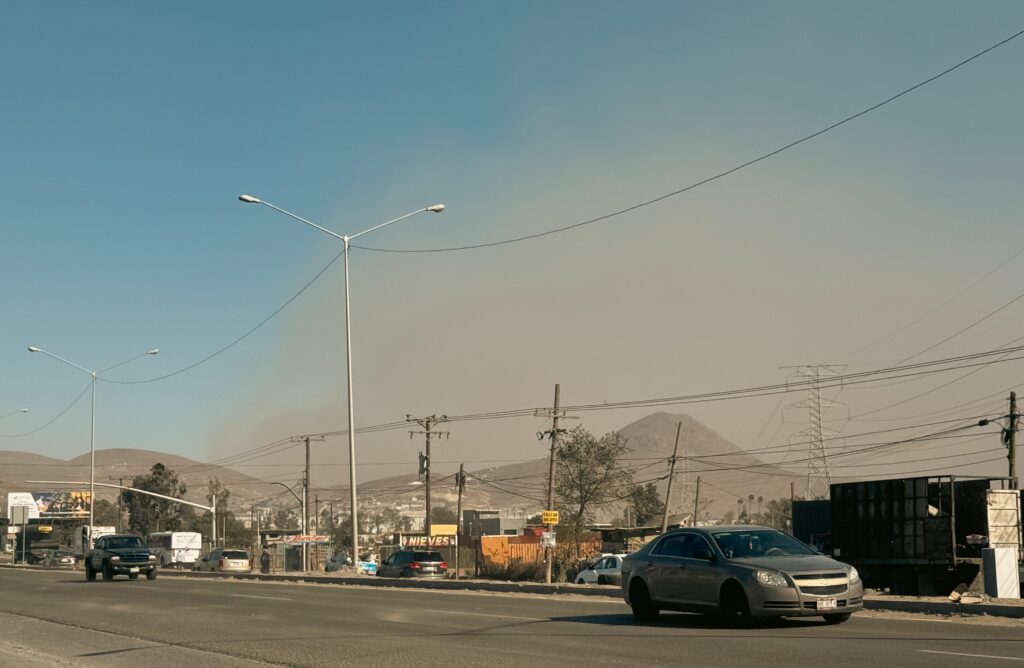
x: 836, y: 619
x: 108, y: 572
x: 581, y: 581
x: 732, y: 605
x: 151, y: 575
x: 133, y: 576
x: 644, y: 609
x: 90, y: 574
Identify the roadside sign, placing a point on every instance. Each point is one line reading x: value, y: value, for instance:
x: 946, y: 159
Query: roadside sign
x: 20, y: 514
x: 549, y: 517
x: 548, y: 540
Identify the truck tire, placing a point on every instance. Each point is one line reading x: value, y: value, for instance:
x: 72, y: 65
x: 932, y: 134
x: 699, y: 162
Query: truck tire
x: 90, y: 574
x: 133, y: 576
x: 151, y: 575
x: 108, y: 572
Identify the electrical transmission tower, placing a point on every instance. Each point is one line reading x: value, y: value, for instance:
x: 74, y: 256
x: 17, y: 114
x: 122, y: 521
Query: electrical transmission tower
x: 819, y: 478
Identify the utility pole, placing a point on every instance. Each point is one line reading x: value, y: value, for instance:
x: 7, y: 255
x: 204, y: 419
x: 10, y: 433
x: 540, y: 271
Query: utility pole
x: 305, y: 498
x: 460, y: 485
x: 120, y: 503
x: 548, y: 551
x: 428, y: 425
x: 316, y: 514
x: 1011, y: 439
x: 671, y: 475
x: 696, y: 502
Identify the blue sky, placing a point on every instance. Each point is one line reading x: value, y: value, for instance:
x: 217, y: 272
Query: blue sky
x: 128, y: 130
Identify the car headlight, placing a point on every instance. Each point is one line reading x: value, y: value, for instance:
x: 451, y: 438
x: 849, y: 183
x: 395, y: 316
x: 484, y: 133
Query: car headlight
x: 152, y: 557
x: 771, y: 579
x: 115, y: 558
x: 854, y: 575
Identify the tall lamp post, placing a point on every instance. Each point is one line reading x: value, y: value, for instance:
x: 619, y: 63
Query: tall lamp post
x: 345, y: 239
x: 92, y: 429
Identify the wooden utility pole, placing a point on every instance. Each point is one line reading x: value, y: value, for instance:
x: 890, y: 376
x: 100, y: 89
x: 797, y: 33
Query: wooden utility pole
x: 696, y: 502
x: 549, y: 553
x: 1011, y: 439
x: 671, y: 477
x: 460, y: 485
x: 428, y: 425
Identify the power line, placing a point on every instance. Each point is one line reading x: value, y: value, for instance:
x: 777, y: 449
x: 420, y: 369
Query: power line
x: 591, y: 221
x: 717, y: 176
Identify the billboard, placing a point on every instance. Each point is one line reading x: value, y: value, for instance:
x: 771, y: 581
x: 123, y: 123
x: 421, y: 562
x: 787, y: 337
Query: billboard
x: 44, y: 505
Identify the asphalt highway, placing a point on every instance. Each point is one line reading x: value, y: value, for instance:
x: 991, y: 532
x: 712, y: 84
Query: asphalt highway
x: 57, y: 618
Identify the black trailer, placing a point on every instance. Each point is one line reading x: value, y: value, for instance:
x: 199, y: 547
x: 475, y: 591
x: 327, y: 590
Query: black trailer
x: 922, y: 535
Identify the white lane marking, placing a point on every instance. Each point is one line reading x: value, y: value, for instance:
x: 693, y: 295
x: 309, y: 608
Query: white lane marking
x: 481, y: 614
x: 269, y: 598
x: 977, y: 656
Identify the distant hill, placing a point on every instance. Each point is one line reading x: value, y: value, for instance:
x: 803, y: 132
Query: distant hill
x: 114, y: 465
x: 727, y: 473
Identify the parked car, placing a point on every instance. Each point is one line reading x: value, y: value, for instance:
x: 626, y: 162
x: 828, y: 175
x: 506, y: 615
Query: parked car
x: 59, y: 559
x: 607, y: 569
x: 337, y: 561
x: 223, y: 560
x: 414, y: 564
x: 738, y: 572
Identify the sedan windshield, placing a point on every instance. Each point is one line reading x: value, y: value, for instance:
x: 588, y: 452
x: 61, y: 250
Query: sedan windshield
x: 758, y: 543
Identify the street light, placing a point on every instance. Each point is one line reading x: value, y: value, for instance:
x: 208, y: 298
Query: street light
x: 92, y: 429
x: 305, y: 531
x: 7, y: 415
x: 345, y: 239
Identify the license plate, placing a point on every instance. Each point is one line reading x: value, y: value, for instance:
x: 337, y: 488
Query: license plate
x: 134, y: 569
x: 826, y: 604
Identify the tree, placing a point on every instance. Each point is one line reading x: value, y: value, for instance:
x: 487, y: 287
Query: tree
x: 443, y: 515
x: 589, y: 474
x: 284, y: 520
x: 147, y: 514
x: 645, y: 503
x: 106, y: 513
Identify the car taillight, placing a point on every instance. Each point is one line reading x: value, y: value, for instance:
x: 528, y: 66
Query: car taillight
x: 414, y: 565
x: 444, y: 565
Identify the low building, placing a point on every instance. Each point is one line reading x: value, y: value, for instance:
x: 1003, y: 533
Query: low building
x: 477, y: 523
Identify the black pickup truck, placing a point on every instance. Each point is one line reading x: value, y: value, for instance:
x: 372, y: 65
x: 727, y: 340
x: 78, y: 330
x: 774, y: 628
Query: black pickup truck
x: 120, y: 555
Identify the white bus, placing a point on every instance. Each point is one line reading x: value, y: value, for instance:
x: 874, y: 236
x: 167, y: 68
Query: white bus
x: 176, y: 548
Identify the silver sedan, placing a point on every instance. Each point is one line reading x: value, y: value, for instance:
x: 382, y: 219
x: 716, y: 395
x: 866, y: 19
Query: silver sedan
x: 738, y: 572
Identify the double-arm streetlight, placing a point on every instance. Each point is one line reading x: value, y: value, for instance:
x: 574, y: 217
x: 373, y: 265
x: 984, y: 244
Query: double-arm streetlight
x: 92, y: 429
x: 345, y: 239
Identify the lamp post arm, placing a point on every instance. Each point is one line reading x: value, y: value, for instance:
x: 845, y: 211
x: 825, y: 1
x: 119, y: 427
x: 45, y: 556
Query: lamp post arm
x: 61, y: 359
x: 130, y: 489
x: 377, y: 227
x: 130, y: 359
x: 302, y: 220
x: 289, y: 489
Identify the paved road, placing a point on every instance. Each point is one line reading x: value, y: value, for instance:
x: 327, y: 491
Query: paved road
x: 57, y: 618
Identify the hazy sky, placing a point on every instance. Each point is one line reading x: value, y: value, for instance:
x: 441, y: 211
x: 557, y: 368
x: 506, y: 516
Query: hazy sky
x: 128, y: 130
